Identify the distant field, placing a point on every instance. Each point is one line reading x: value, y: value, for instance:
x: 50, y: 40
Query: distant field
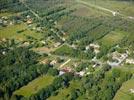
x: 124, y: 93
x: 123, y: 7
x: 34, y: 86
x: 11, y: 32
x: 66, y: 91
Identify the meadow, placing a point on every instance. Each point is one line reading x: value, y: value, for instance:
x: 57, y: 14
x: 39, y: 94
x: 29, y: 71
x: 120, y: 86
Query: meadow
x: 34, y: 86
x: 124, y: 92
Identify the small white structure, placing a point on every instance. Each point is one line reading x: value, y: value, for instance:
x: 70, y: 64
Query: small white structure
x: 43, y: 42
x: 53, y: 62
x: 61, y: 73
x: 3, y: 52
x: 87, y: 48
x: 57, y: 44
x: 132, y: 91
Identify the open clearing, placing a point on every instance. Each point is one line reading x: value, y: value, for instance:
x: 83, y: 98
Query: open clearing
x: 34, y: 86
x: 11, y: 32
x: 66, y: 91
x: 124, y: 92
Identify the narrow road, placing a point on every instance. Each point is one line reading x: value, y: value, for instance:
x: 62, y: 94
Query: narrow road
x: 33, y: 12
x: 114, y: 13
x: 65, y: 63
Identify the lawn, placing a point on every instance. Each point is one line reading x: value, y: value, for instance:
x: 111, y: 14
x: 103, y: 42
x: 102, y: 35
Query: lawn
x: 64, y: 92
x: 34, y: 86
x: 11, y: 32
x: 124, y: 93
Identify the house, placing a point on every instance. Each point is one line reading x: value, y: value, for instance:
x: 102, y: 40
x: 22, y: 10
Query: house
x: 43, y: 42
x: 28, y: 16
x: 73, y: 46
x: 57, y: 44
x: 61, y: 72
x: 29, y: 21
x: 94, y: 46
x: 81, y: 73
x: 118, y: 58
x: 87, y: 47
x: 132, y: 91
x: 130, y: 61
x: 53, y: 62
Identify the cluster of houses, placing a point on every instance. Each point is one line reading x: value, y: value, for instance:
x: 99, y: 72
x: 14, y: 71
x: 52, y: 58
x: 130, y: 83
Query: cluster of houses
x: 117, y: 58
x: 5, y: 21
x: 94, y: 46
x: 68, y: 69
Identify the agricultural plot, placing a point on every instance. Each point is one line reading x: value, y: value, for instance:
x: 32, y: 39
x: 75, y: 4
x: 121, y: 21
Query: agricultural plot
x: 34, y: 86
x: 123, y: 7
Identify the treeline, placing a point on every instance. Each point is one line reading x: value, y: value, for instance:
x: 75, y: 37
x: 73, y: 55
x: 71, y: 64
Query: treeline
x: 102, y: 85
x: 6, y: 3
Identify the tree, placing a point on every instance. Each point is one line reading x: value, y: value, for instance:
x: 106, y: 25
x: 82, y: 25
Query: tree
x: 53, y: 71
x: 73, y: 95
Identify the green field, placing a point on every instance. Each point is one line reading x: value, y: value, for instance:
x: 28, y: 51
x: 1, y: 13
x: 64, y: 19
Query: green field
x: 11, y: 32
x: 66, y: 91
x: 112, y: 38
x: 34, y: 86
x: 124, y: 93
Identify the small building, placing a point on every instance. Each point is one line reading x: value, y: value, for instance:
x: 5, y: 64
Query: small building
x: 29, y: 21
x: 61, y: 72
x: 53, y: 62
x: 57, y: 44
x: 130, y: 61
x: 132, y: 91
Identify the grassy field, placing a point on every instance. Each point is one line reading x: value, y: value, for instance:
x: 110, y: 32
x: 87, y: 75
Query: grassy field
x: 64, y: 92
x: 11, y: 32
x: 112, y: 38
x: 124, y: 93
x: 34, y: 86
x: 123, y: 7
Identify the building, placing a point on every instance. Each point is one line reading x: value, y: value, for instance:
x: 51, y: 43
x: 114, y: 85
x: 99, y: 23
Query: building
x: 130, y: 61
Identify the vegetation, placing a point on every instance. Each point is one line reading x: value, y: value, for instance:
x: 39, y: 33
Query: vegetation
x: 66, y: 49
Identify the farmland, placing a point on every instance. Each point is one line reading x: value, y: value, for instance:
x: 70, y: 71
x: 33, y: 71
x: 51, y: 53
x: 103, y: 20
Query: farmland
x: 66, y: 49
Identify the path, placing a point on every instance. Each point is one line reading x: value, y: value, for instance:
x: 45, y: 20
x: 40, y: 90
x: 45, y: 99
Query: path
x: 65, y: 63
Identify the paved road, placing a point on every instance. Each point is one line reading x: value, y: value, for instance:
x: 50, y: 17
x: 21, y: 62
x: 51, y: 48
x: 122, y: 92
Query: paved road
x: 114, y: 13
